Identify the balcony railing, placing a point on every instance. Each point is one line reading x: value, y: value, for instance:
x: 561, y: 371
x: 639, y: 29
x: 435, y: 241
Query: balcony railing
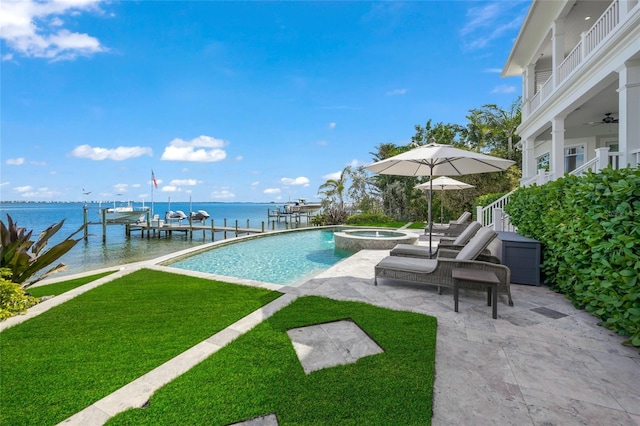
x: 590, y: 41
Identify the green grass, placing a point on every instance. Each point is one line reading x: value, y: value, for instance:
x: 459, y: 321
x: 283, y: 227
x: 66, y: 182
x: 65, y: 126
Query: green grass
x: 69, y: 357
x: 64, y: 286
x: 259, y: 374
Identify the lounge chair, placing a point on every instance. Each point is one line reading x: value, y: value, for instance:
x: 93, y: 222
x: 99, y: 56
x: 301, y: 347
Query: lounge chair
x: 412, y: 250
x: 454, y: 228
x: 437, y: 272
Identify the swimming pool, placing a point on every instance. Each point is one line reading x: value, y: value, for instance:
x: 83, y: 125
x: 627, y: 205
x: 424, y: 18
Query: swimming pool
x: 287, y: 258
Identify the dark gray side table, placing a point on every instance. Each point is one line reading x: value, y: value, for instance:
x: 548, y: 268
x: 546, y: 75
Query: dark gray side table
x: 522, y: 255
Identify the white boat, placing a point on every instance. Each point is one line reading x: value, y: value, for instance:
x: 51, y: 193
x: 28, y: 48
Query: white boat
x: 302, y: 206
x: 123, y: 214
x: 174, y: 216
x: 199, y: 216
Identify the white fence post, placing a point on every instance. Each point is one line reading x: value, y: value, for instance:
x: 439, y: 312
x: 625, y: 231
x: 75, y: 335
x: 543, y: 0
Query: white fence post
x: 479, y: 217
x: 602, y: 158
x: 541, y: 178
x: 497, y: 219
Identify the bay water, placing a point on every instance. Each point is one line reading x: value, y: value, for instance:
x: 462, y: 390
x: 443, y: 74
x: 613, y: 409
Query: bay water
x: 118, y: 249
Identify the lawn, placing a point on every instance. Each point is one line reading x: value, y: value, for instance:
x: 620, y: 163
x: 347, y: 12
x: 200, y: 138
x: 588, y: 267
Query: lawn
x: 65, y: 359
x: 259, y: 374
x: 64, y: 286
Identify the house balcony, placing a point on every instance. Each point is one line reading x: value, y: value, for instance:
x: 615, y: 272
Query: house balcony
x: 551, y: 74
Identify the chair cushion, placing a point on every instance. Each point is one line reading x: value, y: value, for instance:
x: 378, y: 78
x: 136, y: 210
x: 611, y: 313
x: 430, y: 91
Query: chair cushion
x: 410, y: 250
x: 479, y: 242
x: 468, y: 232
x: 464, y: 217
x: 409, y: 264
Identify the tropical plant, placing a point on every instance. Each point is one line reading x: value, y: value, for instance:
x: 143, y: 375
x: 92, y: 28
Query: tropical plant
x: 25, y: 258
x: 590, y: 230
x: 13, y: 299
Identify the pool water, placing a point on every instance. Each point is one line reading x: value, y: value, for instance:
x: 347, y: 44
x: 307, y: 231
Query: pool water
x: 287, y: 259
x: 376, y: 234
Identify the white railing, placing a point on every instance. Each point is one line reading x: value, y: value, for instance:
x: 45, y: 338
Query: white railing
x: 485, y: 215
x: 602, y: 28
x: 614, y: 160
x: 570, y: 63
x: 589, y: 165
x: 590, y: 41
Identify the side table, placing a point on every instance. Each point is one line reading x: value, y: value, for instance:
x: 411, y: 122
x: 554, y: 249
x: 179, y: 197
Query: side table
x: 476, y: 279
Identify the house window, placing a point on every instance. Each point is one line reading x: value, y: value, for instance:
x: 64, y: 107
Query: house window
x: 542, y: 162
x: 573, y: 158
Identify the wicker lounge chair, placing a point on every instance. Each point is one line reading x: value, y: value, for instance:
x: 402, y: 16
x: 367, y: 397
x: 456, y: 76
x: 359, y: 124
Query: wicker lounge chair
x: 437, y: 272
x: 412, y: 250
x: 454, y: 228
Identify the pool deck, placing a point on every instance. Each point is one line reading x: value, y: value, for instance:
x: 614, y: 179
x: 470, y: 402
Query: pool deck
x: 542, y: 362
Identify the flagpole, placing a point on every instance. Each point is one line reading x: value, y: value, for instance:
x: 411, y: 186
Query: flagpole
x: 152, y: 184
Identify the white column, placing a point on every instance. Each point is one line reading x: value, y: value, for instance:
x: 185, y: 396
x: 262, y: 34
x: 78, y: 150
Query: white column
x: 629, y: 111
x: 528, y: 88
x: 557, y: 148
x: 557, y: 47
x: 528, y: 158
x: 541, y: 177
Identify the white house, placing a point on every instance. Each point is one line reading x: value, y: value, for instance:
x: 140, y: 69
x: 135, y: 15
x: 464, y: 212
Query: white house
x: 580, y: 67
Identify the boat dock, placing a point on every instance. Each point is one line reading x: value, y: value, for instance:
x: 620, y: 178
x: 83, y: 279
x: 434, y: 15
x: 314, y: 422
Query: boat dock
x: 292, y: 217
x: 155, y: 228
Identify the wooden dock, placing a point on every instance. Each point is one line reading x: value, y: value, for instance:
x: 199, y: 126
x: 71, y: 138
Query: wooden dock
x: 158, y: 228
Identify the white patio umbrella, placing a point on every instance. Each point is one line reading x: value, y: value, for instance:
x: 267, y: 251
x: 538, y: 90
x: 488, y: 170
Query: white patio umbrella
x: 443, y: 183
x: 438, y: 160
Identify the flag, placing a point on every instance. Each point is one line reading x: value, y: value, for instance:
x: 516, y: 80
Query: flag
x: 153, y: 178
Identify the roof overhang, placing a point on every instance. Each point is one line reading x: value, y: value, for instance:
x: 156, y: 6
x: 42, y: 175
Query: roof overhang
x: 534, y: 30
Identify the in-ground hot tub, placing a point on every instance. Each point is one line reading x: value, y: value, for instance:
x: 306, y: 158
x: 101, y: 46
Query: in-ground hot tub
x: 372, y: 239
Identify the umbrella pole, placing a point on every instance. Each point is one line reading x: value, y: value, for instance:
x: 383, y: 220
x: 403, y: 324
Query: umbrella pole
x: 430, y: 218
x: 441, y: 204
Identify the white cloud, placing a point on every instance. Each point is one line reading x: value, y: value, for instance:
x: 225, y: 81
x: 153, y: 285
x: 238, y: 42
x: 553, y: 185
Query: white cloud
x: 203, y: 149
x: 3, y: 184
x: 223, y: 194
x: 332, y: 125
x: 396, y: 92
x: 38, y: 163
x: 254, y: 184
x: 493, y: 70
x: 26, y: 188
x: 34, y: 29
x: 118, y: 154
x: 504, y: 89
x: 41, y: 193
x: 121, y: 187
x: 170, y: 188
x: 490, y: 21
x: 271, y: 191
x: 184, y: 182
x: 15, y: 161
x: 304, y: 181
x: 332, y: 176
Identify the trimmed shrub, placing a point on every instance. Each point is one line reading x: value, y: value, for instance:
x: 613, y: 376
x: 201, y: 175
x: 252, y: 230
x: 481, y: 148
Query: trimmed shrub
x: 13, y: 299
x: 365, y: 218
x: 590, y: 229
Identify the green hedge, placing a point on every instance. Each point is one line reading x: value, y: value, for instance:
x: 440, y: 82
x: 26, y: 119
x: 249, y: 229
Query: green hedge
x: 590, y: 230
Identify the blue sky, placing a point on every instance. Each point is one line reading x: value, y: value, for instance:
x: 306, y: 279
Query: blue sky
x: 232, y: 101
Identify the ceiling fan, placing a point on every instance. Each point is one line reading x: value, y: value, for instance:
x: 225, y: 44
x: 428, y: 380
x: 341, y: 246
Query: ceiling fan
x: 608, y: 119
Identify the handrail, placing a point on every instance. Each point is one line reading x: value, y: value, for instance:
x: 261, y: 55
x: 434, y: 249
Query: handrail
x: 591, y: 164
x: 570, y: 63
x: 602, y: 27
x: 485, y: 214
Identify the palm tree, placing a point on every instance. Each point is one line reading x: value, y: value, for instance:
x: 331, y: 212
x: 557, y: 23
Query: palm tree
x: 334, y: 188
